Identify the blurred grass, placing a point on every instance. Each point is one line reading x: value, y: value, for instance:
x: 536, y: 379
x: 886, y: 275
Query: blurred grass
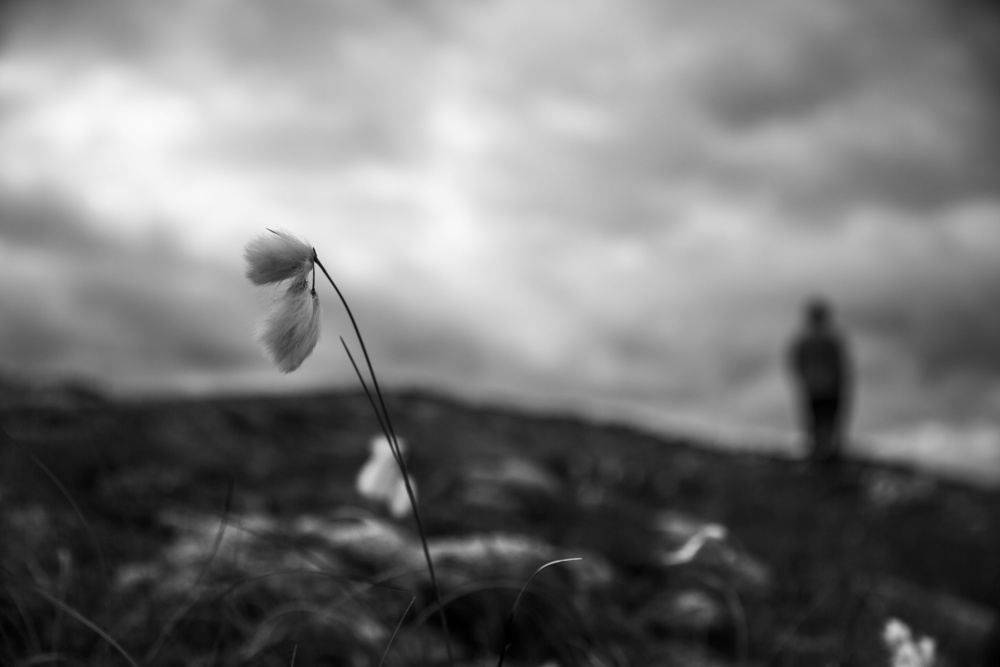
x: 839, y: 543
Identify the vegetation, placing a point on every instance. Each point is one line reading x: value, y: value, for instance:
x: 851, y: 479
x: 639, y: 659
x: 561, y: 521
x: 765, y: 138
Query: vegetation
x: 229, y: 532
x: 233, y: 532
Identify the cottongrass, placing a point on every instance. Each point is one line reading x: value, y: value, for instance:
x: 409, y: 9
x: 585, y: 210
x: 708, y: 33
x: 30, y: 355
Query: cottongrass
x: 380, y: 479
x: 290, y: 332
x: 278, y: 257
x: 905, y: 648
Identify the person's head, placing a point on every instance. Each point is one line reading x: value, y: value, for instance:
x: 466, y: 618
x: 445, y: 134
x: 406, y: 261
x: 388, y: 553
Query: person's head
x: 818, y: 313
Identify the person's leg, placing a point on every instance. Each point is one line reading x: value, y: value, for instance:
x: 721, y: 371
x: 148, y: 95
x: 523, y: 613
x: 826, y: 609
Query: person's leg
x: 826, y: 415
x: 835, y: 439
x: 813, y: 419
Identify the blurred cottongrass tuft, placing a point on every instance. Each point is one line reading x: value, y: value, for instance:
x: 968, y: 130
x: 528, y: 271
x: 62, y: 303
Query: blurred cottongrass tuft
x: 290, y: 330
x: 381, y: 480
x: 905, y: 649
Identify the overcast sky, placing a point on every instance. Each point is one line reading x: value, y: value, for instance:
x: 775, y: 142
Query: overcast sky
x: 612, y: 206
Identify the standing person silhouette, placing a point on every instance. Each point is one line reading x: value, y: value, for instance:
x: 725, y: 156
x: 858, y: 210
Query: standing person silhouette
x: 820, y: 365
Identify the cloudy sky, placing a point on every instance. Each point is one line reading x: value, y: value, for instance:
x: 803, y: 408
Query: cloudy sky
x: 616, y: 207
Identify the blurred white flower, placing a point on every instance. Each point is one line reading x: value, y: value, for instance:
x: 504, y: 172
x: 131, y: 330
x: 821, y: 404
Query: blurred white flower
x: 277, y: 256
x: 905, y: 650
x: 688, y: 551
x: 380, y: 479
x: 289, y: 332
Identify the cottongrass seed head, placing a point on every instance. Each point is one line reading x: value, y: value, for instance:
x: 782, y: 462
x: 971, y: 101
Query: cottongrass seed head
x: 380, y: 479
x: 277, y: 256
x: 905, y: 648
x: 290, y: 330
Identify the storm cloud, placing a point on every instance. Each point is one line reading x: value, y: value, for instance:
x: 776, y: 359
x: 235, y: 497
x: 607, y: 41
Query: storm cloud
x: 612, y: 207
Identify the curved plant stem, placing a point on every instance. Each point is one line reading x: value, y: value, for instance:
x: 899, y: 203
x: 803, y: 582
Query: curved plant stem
x: 382, y: 413
x: 396, y: 631
x: 196, y: 589
x: 5, y: 439
x: 517, y: 600
x: 59, y: 604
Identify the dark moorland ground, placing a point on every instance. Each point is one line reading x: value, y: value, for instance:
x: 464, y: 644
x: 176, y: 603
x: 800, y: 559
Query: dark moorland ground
x: 229, y: 532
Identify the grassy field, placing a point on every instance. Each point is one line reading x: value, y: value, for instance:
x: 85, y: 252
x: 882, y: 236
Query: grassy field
x: 229, y: 532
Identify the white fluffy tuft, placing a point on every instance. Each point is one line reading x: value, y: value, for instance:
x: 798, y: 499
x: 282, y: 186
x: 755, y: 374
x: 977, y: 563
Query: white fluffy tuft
x: 381, y: 480
x: 906, y: 649
x: 277, y: 256
x: 290, y: 331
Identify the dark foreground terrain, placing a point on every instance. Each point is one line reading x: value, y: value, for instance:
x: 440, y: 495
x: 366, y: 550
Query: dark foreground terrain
x: 229, y: 532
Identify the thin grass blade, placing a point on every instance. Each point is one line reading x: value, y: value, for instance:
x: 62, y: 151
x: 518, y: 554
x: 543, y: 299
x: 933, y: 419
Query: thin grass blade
x: 517, y: 600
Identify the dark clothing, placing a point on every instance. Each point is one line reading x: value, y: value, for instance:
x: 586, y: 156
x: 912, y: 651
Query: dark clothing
x: 822, y: 419
x: 819, y: 364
